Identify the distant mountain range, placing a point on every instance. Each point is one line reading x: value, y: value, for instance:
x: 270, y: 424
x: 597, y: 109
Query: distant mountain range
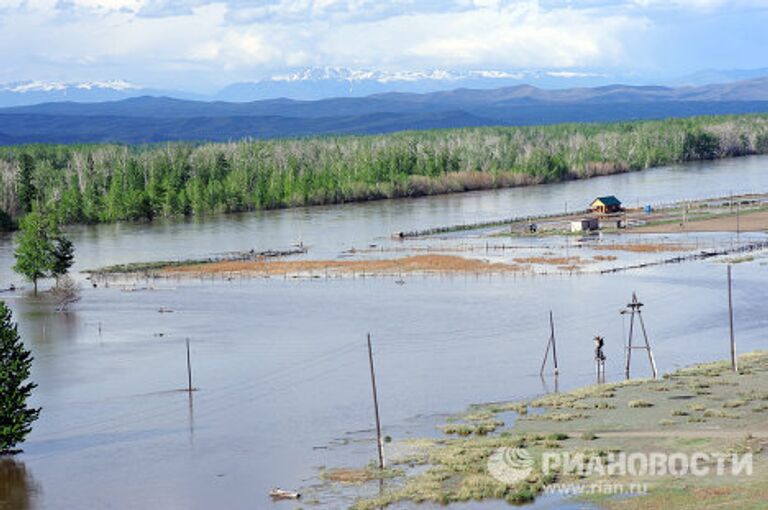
x: 303, y: 84
x: 335, y: 82
x: 710, y: 76
x: 320, y: 83
x: 35, y: 92
x: 156, y: 119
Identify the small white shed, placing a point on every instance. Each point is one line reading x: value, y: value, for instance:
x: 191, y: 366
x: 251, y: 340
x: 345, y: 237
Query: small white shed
x: 584, y: 225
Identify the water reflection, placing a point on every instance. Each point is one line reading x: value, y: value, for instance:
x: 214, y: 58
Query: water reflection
x: 17, y: 488
x: 550, y: 389
x: 42, y: 324
x: 191, y: 419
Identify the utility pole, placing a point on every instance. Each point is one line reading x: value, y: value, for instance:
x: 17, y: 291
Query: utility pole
x: 634, y: 308
x: 379, y: 442
x: 734, y: 361
x: 551, y: 344
x: 189, y: 370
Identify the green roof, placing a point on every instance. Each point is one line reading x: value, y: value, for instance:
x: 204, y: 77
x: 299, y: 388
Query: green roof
x: 608, y: 200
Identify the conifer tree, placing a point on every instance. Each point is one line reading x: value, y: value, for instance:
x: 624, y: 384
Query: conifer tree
x: 63, y: 256
x: 26, y: 191
x: 16, y: 417
x: 35, y: 249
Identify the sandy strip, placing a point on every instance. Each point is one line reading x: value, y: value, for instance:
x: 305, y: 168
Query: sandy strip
x: 554, y: 261
x: 413, y: 264
x: 748, y: 222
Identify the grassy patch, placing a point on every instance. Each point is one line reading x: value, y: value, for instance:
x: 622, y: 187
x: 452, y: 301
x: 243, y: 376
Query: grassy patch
x: 359, y: 476
x: 456, y: 469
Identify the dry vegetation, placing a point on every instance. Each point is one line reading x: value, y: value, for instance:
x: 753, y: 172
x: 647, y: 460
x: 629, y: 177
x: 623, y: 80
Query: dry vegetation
x: 411, y: 264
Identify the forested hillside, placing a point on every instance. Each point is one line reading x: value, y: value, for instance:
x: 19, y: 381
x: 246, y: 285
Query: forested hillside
x: 102, y: 183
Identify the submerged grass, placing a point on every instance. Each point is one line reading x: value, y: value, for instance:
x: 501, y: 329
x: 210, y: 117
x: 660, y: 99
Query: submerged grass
x: 626, y: 416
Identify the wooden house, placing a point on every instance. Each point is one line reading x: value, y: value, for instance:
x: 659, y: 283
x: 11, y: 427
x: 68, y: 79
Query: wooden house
x: 606, y: 205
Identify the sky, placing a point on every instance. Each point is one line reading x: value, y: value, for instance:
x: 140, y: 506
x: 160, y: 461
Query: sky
x: 200, y: 45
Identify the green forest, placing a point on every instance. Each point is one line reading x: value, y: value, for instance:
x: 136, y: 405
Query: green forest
x: 110, y: 182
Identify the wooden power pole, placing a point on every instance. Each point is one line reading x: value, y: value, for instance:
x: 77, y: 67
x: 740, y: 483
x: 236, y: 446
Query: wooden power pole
x: 189, y: 369
x: 379, y: 442
x: 734, y: 361
x: 551, y: 344
x: 634, y: 308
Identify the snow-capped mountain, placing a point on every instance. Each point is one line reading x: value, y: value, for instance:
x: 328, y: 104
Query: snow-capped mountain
x: 324, y: 82
x: 57, y: 86
x: 307, y: 84
x: 23, y: 93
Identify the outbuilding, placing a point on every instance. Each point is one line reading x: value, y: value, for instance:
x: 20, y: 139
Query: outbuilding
x: 584, y: 225
x: 606, y: 205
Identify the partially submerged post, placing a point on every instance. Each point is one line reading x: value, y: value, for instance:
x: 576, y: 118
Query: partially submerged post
x: 189, y: 370
x: 379, y: 442
x: 600, y: 359
x: 734, y: 360
x: 551, y: 344
x: 634, y: 308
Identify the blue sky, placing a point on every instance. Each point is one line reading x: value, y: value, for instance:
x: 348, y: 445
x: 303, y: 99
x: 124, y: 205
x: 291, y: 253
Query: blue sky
x: 201, y: 44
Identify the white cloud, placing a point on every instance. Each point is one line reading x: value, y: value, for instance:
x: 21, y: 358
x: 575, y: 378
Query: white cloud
x: 520, y: 35
x: 109, y: 5
x: 156, y: 40
x: 700, y: 5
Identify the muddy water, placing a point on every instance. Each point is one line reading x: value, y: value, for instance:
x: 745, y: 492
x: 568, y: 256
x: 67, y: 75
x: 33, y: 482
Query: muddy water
x: 281, y: 365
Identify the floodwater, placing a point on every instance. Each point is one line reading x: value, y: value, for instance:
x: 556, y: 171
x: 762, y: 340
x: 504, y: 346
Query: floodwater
x: 281, y: 364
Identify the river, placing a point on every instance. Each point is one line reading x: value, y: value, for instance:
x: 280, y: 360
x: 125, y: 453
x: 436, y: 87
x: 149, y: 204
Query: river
x: 281, y: 365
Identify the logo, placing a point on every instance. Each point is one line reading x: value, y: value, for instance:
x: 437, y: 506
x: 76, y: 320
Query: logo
x: 510, y: 465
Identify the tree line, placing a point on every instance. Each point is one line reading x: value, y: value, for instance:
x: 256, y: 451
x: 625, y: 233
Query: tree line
x: 109, y: 182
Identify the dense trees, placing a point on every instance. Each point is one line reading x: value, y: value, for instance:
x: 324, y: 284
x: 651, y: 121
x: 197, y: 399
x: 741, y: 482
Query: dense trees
x: 100, y: 183
x: 16, y: 417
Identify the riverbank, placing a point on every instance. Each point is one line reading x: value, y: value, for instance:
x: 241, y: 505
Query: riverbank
x: 698, y: 412
x: 106, y: 183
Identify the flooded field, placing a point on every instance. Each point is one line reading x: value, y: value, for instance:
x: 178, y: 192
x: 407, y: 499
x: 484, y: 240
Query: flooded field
x: 281, y: 364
